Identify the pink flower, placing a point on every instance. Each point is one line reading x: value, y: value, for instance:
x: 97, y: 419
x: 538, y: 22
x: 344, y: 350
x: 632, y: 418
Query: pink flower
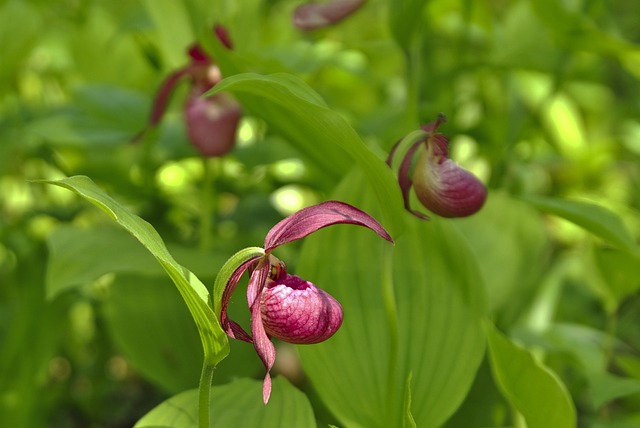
x: 312, y: 16
x: 211, y: 122
x: 441, y: 185
x: 286, y: 306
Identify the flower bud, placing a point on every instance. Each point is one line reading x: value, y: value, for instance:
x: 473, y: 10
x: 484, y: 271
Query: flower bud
x: 444, y: 187
x: 212, y: 122
x: 312, y: 16
x: 296, y: 311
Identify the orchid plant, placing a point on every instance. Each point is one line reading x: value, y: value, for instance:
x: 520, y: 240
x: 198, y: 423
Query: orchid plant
x: 211, y: 122
x: 282, y: 305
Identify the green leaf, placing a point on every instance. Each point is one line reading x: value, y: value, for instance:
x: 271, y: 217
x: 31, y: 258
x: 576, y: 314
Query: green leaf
x: 290, y: 106
x: 408, y: 421
x: 605, y: 387
x: 440, y: 301
x: 594, y: 218
x: 510, y: 242
x: 194, y: 293
x: 404, y: 19
x: 530, y: 387
x: 153, y: 329
x: 237, y: 404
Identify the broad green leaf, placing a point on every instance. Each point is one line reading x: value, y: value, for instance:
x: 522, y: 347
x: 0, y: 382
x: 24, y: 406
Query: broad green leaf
x: 80, y: 255
x: 361, y: 372
x: 509, y: 240
x: 298, y: 113
x: 594, y: 218
x: 194, y: 293
x: 153, y: 329
x: 236, y: 404
x: 530, y: 387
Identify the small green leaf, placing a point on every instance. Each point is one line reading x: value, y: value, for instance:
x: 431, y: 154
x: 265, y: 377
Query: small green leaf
x: 290, y: 106
x: 594, y: 218
x: 530, y: 387
x: 236, y: 404
x: 194, y: 293
x: 605, y: 387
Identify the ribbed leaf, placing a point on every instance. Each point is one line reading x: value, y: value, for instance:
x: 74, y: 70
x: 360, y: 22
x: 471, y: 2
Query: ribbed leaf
x: 439, y: 295
x: 237, y: 404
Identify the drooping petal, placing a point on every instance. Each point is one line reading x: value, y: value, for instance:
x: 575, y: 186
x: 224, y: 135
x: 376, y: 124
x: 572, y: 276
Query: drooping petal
x: 232, y: 328
x: 447, y: 189
x: 311, y: 16
x: 212, y: 122
x: 405, y: 182
x: 296, y: 311
x: 261, y: 342
x: 310, y: 219
x: 162, y: 99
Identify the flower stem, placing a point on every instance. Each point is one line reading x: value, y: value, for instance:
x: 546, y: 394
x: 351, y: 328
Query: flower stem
x: 391, y: 315
x: 208, y: 202
x: 204, y: 393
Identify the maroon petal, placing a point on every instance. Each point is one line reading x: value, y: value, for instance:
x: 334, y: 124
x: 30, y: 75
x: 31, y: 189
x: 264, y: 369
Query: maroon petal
x: 311, y: 16
x: 447, y: 189
x: 230, y: 327
x: 162, y: 99
x: 223, y: 35
x: 310, y: 219
x: 261, y: 342
x: 405, y: 182
x: 296, y: 311
x: 212, y: 122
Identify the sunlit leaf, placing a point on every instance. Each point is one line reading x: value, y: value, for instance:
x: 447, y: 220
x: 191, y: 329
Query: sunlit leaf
x: 236, y: 404
x: 295, y: 110
x: 194, y: 293
x: 440, y: 301
x: 594, y: 218
x: 605, y: 387
x: 530, y: 387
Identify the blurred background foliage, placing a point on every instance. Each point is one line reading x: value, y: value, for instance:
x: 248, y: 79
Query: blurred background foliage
x: 542, y: 99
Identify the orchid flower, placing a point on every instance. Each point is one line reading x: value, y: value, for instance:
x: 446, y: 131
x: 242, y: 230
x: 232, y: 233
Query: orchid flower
x: 312, y: 16
x: 211, y: 122
x: 441, y: 185
x: 282, y: 305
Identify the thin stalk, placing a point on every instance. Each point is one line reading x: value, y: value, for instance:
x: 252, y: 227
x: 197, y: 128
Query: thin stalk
x: 204, y: 394
x: 209, y: 167
x: 391, y: 315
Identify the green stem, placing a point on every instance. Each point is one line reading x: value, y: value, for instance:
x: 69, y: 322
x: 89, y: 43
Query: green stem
x: 391, y: 315
x: 204, y: 393
x: 208, y: 202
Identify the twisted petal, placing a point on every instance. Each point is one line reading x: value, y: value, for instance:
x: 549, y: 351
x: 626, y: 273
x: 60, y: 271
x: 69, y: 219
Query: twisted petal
x: 232, y: 328
x: 310, y: 219
x: 162, y: 99
x: 311, y: 16
x: 265, y: 349
x: 296, y: 311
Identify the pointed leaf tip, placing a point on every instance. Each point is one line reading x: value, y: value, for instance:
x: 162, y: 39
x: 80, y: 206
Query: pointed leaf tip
x: 313, y: 218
